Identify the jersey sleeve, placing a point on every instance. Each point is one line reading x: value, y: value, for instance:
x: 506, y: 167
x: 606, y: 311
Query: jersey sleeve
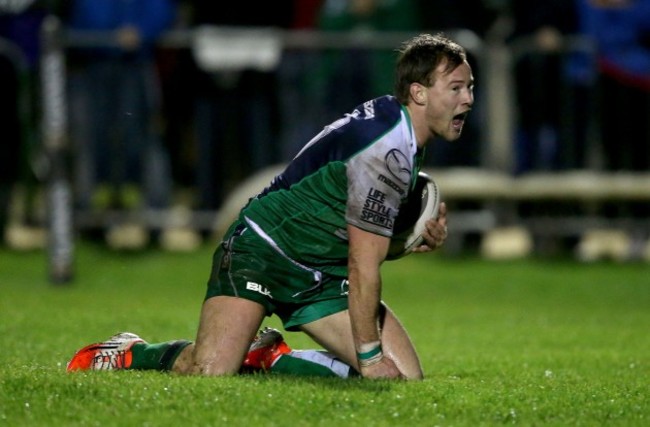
x: 378, y: 179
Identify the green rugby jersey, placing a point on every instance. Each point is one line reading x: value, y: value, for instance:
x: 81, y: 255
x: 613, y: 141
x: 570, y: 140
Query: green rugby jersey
x: 357, y: 170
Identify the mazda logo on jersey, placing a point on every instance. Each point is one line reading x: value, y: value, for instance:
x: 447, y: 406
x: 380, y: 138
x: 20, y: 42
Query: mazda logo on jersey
x: 398, y: 165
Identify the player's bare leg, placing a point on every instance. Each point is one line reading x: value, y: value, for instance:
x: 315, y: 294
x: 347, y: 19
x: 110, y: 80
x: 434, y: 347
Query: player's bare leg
x: 226, y: 329
x: 334, y: 333
x: 221, y: 338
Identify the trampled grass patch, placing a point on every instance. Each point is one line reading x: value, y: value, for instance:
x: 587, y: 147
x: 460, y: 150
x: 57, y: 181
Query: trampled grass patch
x: 535, y: 342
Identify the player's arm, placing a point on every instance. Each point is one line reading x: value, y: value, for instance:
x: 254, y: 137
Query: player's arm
x: 366, y: 253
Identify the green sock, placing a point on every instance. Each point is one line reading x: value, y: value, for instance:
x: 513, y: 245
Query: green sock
x: 160, y: 357
x: 287, y: 364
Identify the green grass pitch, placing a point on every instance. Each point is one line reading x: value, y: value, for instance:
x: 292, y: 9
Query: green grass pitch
x: 535, y: 342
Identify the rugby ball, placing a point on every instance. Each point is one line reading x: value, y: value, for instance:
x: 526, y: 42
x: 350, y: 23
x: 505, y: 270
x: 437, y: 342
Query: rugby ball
x: 422, y: 204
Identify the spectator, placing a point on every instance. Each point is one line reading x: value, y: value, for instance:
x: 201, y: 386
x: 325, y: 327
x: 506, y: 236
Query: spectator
x: 177, y: 72
x: 371, y: 73
x: 455, y: 14
x: 621, y: 30
x: 20, y: 24
x: 237, y: 110
x: 540, y: 83
x: 296, y: 83
x: 115, y: 104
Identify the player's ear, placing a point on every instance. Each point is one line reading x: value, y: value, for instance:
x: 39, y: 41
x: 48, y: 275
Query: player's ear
x: 418, y: 93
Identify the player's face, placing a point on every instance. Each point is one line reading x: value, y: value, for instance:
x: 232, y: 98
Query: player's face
x: 449, y: 100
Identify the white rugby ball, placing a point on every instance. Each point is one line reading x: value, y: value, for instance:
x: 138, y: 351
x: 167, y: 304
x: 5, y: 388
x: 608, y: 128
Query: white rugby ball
x: 422, y: 204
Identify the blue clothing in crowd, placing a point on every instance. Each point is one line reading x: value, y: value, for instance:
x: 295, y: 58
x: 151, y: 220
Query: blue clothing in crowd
x: 150, y: 17
x: 115, y: 99
x: 622, y: 37
x: 23, y: 29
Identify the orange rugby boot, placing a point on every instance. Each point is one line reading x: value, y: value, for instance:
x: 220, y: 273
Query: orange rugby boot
x: 114, y: 353
x: 265, y: 349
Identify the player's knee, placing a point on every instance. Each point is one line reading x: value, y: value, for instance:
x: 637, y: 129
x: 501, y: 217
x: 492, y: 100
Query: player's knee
x: 214, y: 370
x: 414, y: 376
x: 411, y: 371
x: 215, y: 367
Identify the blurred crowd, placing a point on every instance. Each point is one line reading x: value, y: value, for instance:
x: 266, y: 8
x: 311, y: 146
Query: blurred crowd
x: 146, y: 120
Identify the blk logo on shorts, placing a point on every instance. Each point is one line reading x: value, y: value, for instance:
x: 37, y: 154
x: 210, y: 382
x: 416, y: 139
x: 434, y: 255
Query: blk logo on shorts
x: 256, y: 287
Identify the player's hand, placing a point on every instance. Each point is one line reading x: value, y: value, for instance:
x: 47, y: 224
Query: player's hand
x: 385, y: 368
x: 435, y: 233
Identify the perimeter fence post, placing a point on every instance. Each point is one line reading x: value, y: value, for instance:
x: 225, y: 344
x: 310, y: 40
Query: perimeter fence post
x: 60, y: 247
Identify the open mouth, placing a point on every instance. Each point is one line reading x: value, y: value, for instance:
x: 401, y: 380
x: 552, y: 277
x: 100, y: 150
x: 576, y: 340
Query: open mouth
x: 458, y: 120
